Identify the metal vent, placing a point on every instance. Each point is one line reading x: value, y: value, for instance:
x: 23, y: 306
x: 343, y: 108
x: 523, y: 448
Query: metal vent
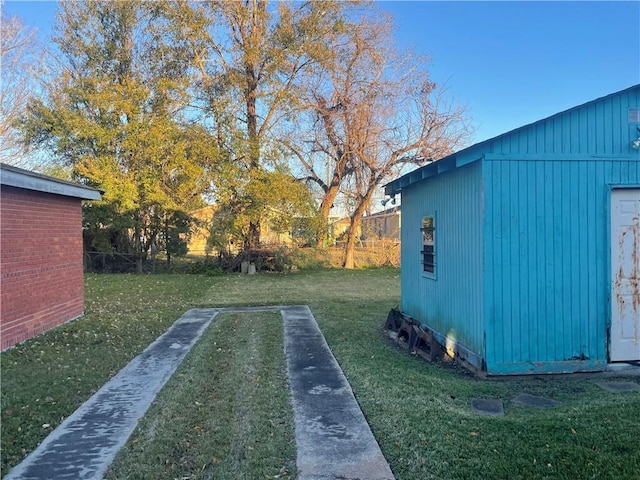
x: 634, y: 115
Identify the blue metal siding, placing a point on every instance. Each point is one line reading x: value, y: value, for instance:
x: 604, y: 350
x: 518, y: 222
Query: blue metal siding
x: 597, y: 128
x: 600, y: 127
x: 547, y: 253
x: 451, y: 304
x: 538, y: 285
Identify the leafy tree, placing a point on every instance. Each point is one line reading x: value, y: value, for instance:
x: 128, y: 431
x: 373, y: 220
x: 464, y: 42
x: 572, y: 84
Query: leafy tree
x: 175, y: 233
x: 273, y: 196
x: 246, y: 56
x: 116, y: 115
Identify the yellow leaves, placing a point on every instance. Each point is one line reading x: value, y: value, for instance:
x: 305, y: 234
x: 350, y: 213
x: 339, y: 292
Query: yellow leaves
x: 283, y: 472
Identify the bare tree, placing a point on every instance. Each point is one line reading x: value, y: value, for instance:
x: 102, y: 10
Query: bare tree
x: 376, y: 112
x: 20, y: 67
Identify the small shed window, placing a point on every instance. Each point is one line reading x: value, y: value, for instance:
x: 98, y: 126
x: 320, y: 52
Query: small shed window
x: 428, y: 244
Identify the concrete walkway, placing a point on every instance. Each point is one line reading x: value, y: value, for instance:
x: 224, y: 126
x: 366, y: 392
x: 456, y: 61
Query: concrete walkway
x: 333, y: 438
x: 85, y: 443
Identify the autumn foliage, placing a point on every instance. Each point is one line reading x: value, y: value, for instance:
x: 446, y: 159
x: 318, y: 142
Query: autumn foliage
x: 285, y: 111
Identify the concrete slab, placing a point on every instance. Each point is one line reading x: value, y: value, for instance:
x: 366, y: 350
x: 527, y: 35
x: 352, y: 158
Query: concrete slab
x: 534, y: 401
x: 84, y: 445
x: 629, y: 369
x: 266, y: 308
x: 619, y: 386
x: 333, y: 438
x: 487, y: 406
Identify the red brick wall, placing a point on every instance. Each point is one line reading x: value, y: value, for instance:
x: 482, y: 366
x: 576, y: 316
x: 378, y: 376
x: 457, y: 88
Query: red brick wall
x: 41, y: 282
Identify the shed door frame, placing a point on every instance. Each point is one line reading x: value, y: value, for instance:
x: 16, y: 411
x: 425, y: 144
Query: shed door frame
x: 625, y: 274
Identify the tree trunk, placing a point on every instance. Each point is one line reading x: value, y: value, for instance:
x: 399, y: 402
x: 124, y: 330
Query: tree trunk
x: 252, y: 133
x: 167, y: 242
x: 137, y: 243
x: 251, y: 98
x: 349, y: 253
x: 254, y: 141
x: 325, y: 210
x: 254, y: 235
x: 356, y: 221
x: 352, y: 234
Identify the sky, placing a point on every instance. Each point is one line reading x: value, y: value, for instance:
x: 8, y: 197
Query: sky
x: 513, y: 63
x: 510, y: 63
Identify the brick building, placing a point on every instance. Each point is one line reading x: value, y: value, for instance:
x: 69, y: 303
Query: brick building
x: 41, y: 262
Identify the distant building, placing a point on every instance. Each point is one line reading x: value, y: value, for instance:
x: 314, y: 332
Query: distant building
x: 522, y: 253
x: 41, y: 264
x: 382, y: 225
x: 338, y: 226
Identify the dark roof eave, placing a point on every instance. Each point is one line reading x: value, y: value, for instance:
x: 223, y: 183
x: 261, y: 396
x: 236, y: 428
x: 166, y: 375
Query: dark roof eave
x: 455, y: 160
x: 19, y: 178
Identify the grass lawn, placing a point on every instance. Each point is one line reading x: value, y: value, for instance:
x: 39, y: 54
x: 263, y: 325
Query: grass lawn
x: 225, y: 413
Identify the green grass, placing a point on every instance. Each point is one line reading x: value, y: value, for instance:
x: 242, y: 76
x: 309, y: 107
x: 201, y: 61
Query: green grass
x: 47, y: 378
x: 419, y: 412
x: 225, y: 414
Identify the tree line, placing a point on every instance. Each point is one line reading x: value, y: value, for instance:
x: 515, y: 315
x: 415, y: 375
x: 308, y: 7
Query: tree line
x: 278, y: 109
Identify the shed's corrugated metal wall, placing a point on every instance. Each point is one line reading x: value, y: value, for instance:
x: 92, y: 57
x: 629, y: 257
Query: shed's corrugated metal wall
x: 451, y: 303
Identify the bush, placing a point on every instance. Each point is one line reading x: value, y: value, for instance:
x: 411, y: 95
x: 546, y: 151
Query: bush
x: 307, y: 259
x: 206, y: 267
x: 288, y: 259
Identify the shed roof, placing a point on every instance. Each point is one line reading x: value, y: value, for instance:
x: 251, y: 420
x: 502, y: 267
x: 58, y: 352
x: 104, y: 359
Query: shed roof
x: 476, y: 152
x: 17, y: 177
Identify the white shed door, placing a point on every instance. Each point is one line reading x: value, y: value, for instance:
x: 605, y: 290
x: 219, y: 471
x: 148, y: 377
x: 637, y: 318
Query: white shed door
x: 625, y: 274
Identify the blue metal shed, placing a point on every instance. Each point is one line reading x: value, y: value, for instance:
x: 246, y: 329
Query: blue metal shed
x: 522, y: 253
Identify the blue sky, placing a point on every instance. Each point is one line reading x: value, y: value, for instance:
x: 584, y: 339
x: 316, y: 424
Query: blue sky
x: 511, y: 63
x: 514, y: 63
